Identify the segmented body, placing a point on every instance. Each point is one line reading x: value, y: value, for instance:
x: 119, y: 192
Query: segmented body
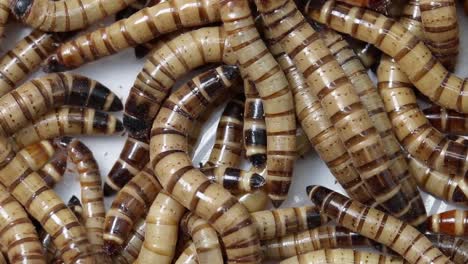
x: 454, y: 222
x: 234, y: 180
x: 4, y: 14
x: 254, y: 201
x: 348, y: 256
x: 188, y: 256
x: 447, y: 121
x: 53, y: 171
x: 132, y: 246
x: 368, y: 54
x: 377, y: 225
x: 453, y: 247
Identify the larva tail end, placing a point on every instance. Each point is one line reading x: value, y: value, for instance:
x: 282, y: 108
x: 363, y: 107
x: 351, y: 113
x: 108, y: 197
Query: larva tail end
x: 141, y: 51
x: 276, y: 203
x: 20, y: 8
x: 310, y: 189
x: 136, y: 128
x: 74, y: 201
x: 308, y: 5
x: 459, y: 196
x: 53, y: 64
x: 119, y: 127
x: 257, y: 181
x: 116, y: 105
x: 258, y: 160
x: 108, y: 191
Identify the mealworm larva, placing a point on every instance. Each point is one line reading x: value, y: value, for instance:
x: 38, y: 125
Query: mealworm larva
x: 411, y: 18
x: 4, y: 14
x: 162, y: 224
x: 234, y: 180
x: 311, y: 240
x: 454, y: 222
x: 391, y: 8
x: 376, y: 225
x: 339, y: 99
x: 453, y: 247
x: 227, y: 148
x: 18, y: 234
x: 188, y: 256
x: 254, y: 130
x: 132, y: 246
x: 303, y: 146
x: 174, y: 170
x: 254, y: 201
x: 262, y: 69
x: 415, y: 59
x: 53, y: 171
x: 141, y: 27
x: 204, y: 238
x: 91, y: 194
x: 131, y: 203
x: 65, y: 15
x: 343, y: 256
x: 447, y: 121
x: 440, y: 26
x: 368, y: 54
x: 131, y: 9
x: 43, y: 204
x: 67, y: 121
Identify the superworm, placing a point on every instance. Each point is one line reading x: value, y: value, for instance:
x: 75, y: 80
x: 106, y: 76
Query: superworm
x: 254, y: 201
x: 141, y: 27
x: 368, y: 54
x: 162, y: 224
x: 234, y: 180
x: 453, y: 247
x: 261, y: 68
x: 18, y: 234
x: 53, y: 171
x: 441, y: 32
x: 204, y: 238
x: 4, y: 14
x: 391, y: 8
x: 415, y: 59
x: 67, y: 121
x: 64, y: 15
x: 281, y: 222
x: 170, y: 60
x: 376, y: 225
x: 254, y: 130
x: 371, y: 100
x: 311, y: 240
x: 188, y: 256
x: 343, y: 256
x: 411, y: 18
x: 341, y: 103
x: 131, y: 9
x: 132, y: 246
x: 447, y: 121
x: 454, y: 223
x: 174, y: 170
x: 302, y: 143
x: 131, y: 203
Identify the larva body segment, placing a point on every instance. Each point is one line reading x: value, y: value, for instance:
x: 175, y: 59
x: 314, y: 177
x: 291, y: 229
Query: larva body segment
x: 342, y: 256
x: 141, y: 27
x: 440, y: 26
x: 53, y: 171
x: 188, y: 256
x: 391, y: 8
x: 415, y: 59
x: 323, y: 237
x: 447, y: 121
x: 68, y: 121
x: 254, y: 201
x: 18, y: 234
x: 131, y: 203
x: 261, y: 68
x: 4, y: 14
x: 132, y: 246
x: 131, y: 9
x: 341, y: 103
x: 254, y: 130
x: 175, y: 172
x: 454, y: 223
x: 204, y: 238
x: 162, y: 225
x: 234, y: 180
x: 411, y: 18
x: 368, y: 54
x: 453, y: 247
x: 377, y: 225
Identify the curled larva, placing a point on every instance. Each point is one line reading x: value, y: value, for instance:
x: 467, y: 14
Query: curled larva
x: 234, y: 180
x: 188, y: 256
x: 132, y: 246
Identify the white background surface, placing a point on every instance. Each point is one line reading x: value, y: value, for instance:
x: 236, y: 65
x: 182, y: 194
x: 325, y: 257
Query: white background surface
x: 118, y: 73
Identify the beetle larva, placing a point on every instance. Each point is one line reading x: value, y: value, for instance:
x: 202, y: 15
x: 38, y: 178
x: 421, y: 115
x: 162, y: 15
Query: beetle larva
x: 447, y: 121
x: 132, y: 246
x: 4, y: 14
x: 91, y: 194
x: 188, y: 256
x: 261, y: 68
x: 141, y: 27
x: 254, y: 201
x: 131, y: 203
x: 415, y: 59
x: 371, y: 100
x: 281, y: 222
x: 453, y: 247
x: 254, y: 129
x: 18, y: 234
x: 174, y: 170
x: 303, y: 146
x: 454, y: 222
x: 204, y: 238
x: 348, y: 256
x: 53, y: 171
x: 377, y: 225
x: 227, y: 148
x: 440, y: 26
x: 43, y: 204
x: 131, y: 9
x: 234, y: 180
x: 311, y: 240
x: 391, y: 8
x: 341, y: 103
x: 162, y: 224
x: 68, y: 121
x: 368, y: 54
x: 411, y: 18
x: 64, y: 16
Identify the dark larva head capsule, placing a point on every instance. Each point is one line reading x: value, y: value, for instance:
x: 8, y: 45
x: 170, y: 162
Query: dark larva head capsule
x: 20, y: 8
x: 53, y: 64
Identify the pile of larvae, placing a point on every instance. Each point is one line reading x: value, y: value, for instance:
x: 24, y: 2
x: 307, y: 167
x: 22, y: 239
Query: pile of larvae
x: 290, y: 75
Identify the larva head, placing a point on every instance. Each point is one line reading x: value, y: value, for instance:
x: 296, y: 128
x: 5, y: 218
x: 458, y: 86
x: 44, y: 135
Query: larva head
x: 258, y: 160
x: 21, y: 8
x: 107, y: 190
x: 53, y: 64
x: 257, y: 181
x: 141, y: 51
x: 459, y: 196
x: 74, y: 201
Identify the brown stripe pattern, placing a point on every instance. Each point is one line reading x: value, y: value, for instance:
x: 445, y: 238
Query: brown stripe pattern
x: 454, y: 248
x: 132, y: 246
x: 261, y: 68
x: 4, y: 14
x: 339, y: 99
x: 411, y: 18
x: 53, y: 171
x: 254, y: 201
x: 174, y: 170
x: 234, y: 180
x: 391, y: 8
x: 454, y: 223
x: 204, y: 238
x: 188, y: 256
x: 425, y: 72
x: 447, y: 121
x: 376, y: 225
x: 141, y: 27
x: 367, y: 53
x: 64, y: 16
x: 350, y: 256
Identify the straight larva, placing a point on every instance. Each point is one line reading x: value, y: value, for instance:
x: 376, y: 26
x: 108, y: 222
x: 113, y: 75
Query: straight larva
x: 141, y: 27
x: 132, y: 246
x: 234, y: 180
x: 188, y: 256
x: 453, y: 247
x: 377, y: 225
x: 4, y: 14
x: 454, y: 223
x: 339, y: 99
x: 447, y: 121
x: 174, y: 170
x: 343, y: 256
